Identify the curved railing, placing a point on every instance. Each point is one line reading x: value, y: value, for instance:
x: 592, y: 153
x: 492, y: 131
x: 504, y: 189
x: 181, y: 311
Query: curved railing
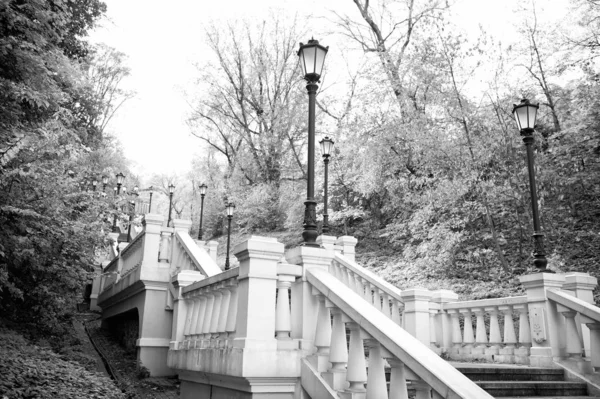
x: 408, y: 357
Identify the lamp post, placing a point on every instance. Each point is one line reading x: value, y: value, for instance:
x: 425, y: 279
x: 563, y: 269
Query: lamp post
x: 104, y: 183
x: 131, y: 214
x: 326, y: 147
x: 229, y: 208
x: 525, y: 114
x: 202, y: 188
x: 114, y: 191
x: 150, y: 205
x: 312, y: 57
x: 171, y: 189
x: 120, y: 177
x: 94, y: 183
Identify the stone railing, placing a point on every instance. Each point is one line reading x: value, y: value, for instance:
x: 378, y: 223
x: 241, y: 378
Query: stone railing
x: 187, y: 255
x: 340, y: 368
x: 132, y: 255
x: 385, y: 297
x: 110, y: 274
x: 501, y: 344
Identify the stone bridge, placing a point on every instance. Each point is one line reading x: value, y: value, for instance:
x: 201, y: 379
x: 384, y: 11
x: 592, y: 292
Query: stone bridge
x: 311, y: 323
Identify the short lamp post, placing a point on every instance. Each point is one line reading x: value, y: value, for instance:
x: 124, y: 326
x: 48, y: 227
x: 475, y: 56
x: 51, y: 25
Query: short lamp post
x: 171, y: 190
x: 114, y: 191
x: 150, y: 205
x: 104, y: 183
x: 229, y: 208
x: 202, y: 188
x: 312, y: 57
x: 120, y: 177
x: 525, y: 114
x: 326, y: 147
x: 94, y: 183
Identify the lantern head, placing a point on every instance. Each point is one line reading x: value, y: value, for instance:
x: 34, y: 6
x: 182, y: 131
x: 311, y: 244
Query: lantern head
x: 326, y: 146
x: 120, y: 177
x: 525, y: 114
x: 202, y: 188
x: 312, y: 58
x: 171, y: 188
x: 230, y: 208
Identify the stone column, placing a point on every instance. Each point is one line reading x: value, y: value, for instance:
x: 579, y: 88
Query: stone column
x: 182, y: 225
x: 582, y: 285
x: 347, y: 244
x: 547, y: 332
x: 327, y: 242
x: 257, y: 284
x: 416, y: 313
x: 152, y: 239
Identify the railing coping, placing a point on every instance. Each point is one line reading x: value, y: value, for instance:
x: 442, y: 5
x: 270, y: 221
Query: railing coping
x: 131, y: 244
x: 431, y: 368
x: 571, y: 302
x: 208, y: 266
x: 369, y: 276
x: 479, y: 303
x: 114, y: 261
x: 226, y: 275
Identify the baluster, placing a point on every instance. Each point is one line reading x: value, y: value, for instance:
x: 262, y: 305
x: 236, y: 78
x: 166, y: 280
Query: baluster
x: 574, y: 344
x: 510, y: 338
x: 191, y: 316
x: 368, y: 294
x: 433, y: 328
x: 357, y: 367
x: 338, y: 351
x: 480, y: 332
x: 495, y: 337
x: 351, y: 282
x: 214, y: 319
x: 200, y: 322
x: 524, y: 329
x: 423, y: 390
x: 210, y: 304
x: 376, y: 384
x: 163, y: 254
x: 222, y: 322
x: 333, y: 269
x: 377, y: 298
x: 232, y: 314
x: 358, y: 286
x: 385, y: 305
x: 283, y: 323
x: 594, y: 327
x: 456, y: 333
x: 396, y: 311
x: 345, y: 276
x: 398, y: 386
x: 468, y: 339
x: 323, y: 335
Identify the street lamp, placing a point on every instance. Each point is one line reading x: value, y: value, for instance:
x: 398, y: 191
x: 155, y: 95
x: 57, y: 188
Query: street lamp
x: 94, y: 183
x: 229, y: 208
x: 326, y: 147
x: 312, y: 58
x: 171, y: 189
x: 202, y: 188
x: 120, y: 177
x: 114, y: 191
x: 525, y: 114
x: 104, y: 182
x: 150, y: 205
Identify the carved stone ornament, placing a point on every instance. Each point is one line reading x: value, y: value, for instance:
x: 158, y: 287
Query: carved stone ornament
x: 537, y: 318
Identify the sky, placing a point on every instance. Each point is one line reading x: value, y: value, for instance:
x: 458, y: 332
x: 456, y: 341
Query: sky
x: 163, y: 42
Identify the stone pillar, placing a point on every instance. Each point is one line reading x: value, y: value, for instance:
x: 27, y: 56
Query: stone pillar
x: 547, y: 332
x: 347, y: 244
x: 257, y: 284
x: 182, y: 225
x: 581, y: 286
x: 416, y: 313
x: 443, y: 325
x: 305, y: 306
x: 327, y: 242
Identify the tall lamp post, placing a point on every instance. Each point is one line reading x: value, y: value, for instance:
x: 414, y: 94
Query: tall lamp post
x: 202, y: 188
x: 120, y: 177
x: 312, y: 57
x: 104, y: 183
x: 525, y: 114
x: 326, y: 147
x: 171, y: 190
x: 229, y: 208
x: 150, y: 205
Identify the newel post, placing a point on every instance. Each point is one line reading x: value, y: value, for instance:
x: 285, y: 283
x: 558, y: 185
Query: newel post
x: 547, y: 332
x: 257, y: 285
x: 182, y: 225
x: 347, y: 244
x: 416, y: 313
x: 443, y: 322
x: 581, y: 286
x: 152, y: 239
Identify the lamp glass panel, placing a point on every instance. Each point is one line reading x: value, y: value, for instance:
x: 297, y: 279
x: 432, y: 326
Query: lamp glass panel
x: 171, y: 189
x: 319, y: 59
x: 230, y: 208
x: 104, y: 179
x: 203, y: 188
x: 532, y: 113
x: 308, y: 54
x: 521, y: 117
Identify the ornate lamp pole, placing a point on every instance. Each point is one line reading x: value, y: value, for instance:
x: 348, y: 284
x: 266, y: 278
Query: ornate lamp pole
x: 150, y: 205
x: 312, y: 58
x: 229, y: 208
x: 525, y: 114
x: 104, y: 183
x: 326, y: 147
x: 120, y: 177
x: 171, y: 189
x: 202, y: 188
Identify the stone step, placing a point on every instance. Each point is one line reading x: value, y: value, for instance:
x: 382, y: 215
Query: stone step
x: 533, y: 388
x: 512, y: 374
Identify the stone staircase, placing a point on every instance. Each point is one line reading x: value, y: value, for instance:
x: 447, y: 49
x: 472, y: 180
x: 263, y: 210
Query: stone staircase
x: 524, y: 382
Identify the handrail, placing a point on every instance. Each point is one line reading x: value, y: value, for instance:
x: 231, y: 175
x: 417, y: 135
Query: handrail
x: 212, y: 280
x: 198, y: 256
x: 480, y: 303
x: 573, y: 303
x: 132, y: 243
x: 371, y: 277
x: 440, y: 375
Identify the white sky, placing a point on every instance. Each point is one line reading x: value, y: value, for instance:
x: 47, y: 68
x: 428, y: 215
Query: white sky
x: 163, y: 40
